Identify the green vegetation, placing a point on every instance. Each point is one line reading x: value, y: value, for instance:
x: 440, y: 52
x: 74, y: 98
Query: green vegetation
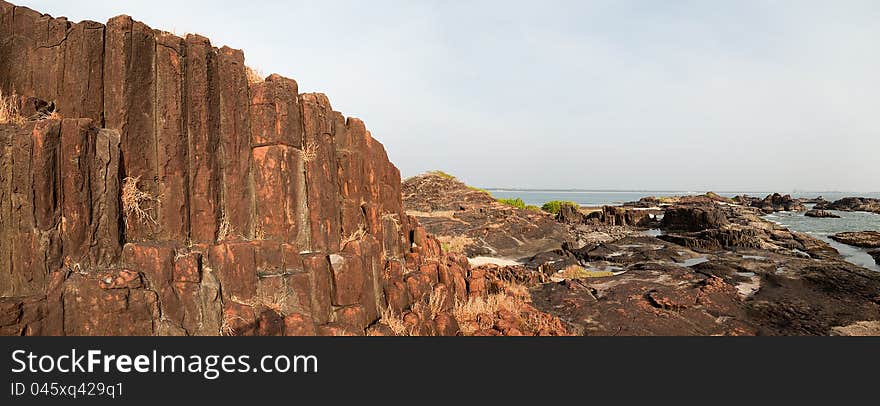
x: 517, y: 202
x: 479, y: 190
x: 441, y: 174
x: 533, y: 208
x: 556, y: 205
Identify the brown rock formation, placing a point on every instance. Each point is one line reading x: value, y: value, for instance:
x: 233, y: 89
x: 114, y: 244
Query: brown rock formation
x: 864, y: 239
x: 876, y: 255
x: 176, y: 198
x: 739, y: 276
x: 821, y: 214
x: 852, y: 204
x: 772, y: 203
x: 609, y: 216
x: 450, y: 209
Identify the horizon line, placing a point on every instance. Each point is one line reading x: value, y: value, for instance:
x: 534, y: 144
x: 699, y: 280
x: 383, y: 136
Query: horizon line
x: 693, y: 191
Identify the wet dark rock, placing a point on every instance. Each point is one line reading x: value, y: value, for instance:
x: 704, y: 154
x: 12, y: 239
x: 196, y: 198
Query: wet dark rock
x: 821, y: 214
x: 693, y: 218
x: 772, y: 203
x: 876, y: 255
x: 864, y: 239
x: 852, y: 204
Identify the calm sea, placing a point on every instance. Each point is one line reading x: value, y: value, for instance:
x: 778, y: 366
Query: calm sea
x: 821, y: 228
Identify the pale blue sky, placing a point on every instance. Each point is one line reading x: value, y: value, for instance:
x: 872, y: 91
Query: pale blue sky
x: 696, y: 95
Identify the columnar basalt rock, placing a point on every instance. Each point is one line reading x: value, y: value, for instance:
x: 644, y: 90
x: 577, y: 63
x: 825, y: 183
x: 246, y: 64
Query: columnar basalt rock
x: 174, y: 197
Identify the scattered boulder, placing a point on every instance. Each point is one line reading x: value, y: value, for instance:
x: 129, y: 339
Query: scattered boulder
x: 693, y: 218
x: 852, y: 204
x: 772, y: 203
x: 622, y: 216
x: 821, y: 214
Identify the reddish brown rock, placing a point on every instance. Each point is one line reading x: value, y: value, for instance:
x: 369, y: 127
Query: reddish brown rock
x: 299, y: 325
x: 270, y: 324
x: 203, y: 129
x: 234, y: 143
x: 235, y: 265
x: 171, y: 145
x: 275, y: 113
x: 446, y: 325
x: 82, y: 85
x: 321, y: 167
x: 334, y: 329
x: 266, y: 212
x: 238, y: 320
x: 318, y: 268
x: 105, y: 191
x: 129, y: 106
x: 91, y: 310
x: 353, y: 318
x: 277, y: 206
x: 348, y: 278
x: 397, y: 296
x: 76, y: 157
x: 47, y: 57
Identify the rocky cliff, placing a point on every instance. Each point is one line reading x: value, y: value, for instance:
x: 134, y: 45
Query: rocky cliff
x: 174, y: 197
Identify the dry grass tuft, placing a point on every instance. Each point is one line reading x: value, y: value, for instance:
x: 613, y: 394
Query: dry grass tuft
x: 472, y: 309
x: 310, y: 151
x: 395, y: 322
x: 356, y: 235
x: 225, y: 230
x: 9, y: 113
x: 226, y: 328
x: 254, y: 75
x: 276, y: 302
x: 435, y: 303
x: 132, y: 200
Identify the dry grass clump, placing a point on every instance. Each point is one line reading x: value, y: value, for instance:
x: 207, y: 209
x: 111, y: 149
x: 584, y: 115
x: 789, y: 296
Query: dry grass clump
x: 226, y: 328
x: 395, y: 322
x: 225, y: 231
x: 455, y: 244
x: 9, y: 112
x: 254, y: 75
x: 133, y: 199
x: 479, y: 311
x: 354, y: 236
x: 310, y: 151
x: 276, y: 302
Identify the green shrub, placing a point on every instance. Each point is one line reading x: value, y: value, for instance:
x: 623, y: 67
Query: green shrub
x: 533, y: 208
x: 474, y: 188
x: 556, y: 205
x: 441, y: 174
x: 517, y: 202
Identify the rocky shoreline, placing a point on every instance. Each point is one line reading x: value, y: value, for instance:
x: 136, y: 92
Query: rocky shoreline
x: 697, y: 265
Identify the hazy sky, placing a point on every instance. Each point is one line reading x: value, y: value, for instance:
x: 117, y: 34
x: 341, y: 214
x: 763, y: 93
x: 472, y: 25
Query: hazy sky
x: 697, y: 95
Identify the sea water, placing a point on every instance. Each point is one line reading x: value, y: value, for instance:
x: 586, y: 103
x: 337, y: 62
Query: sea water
x: 823, y: 228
